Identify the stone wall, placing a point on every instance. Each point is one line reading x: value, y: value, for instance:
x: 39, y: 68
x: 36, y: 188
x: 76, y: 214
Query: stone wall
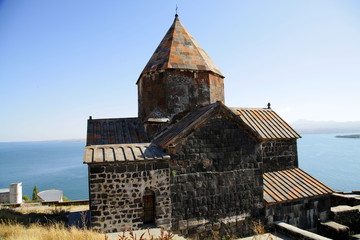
x: 347, y: 215
x: 173, y: 91
x: 303, y: 213
x: 279, y: 155
x: 216, y: 180
x: 116, y: 199
x: 341, y: 198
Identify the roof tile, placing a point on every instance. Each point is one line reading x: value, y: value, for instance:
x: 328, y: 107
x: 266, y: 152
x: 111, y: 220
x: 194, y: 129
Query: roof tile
x: 115, y: 131
x: 179, y: 50
x: 266, y: 123
x: 291, y: 184
x: 123, y: 153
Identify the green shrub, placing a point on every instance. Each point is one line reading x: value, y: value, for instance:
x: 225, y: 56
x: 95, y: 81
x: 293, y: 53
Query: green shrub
x: 65, y: 199
x: 26, y: 198
x: 35, y: 196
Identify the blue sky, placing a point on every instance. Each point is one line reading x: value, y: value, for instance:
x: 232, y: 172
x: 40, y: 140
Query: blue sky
x: 62, y: 61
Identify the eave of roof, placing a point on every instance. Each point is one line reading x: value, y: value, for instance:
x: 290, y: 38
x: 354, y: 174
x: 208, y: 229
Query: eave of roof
x: 179, y: 50
x: 291, y: 184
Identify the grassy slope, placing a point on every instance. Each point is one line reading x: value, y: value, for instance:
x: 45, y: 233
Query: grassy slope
x: 56, y: 231
x: 42, y: 223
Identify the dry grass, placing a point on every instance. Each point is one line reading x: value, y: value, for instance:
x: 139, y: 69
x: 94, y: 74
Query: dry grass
x: 50, y: 209
x: 130, y: 235
x: 13, y: 216
x: 38, y: 214
x: 15, y: 231
x: 257, y: 227
x: 259, y: 230
x: 48, y: 223
x: 56, y: 231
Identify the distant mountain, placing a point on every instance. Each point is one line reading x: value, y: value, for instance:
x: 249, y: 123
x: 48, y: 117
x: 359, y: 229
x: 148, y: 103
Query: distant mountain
x: 307, y: 126
x: 348, y: 136
x: 66, y: 140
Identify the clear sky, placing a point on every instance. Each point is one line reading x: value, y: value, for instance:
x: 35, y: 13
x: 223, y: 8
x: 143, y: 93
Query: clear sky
x: 62, y: 61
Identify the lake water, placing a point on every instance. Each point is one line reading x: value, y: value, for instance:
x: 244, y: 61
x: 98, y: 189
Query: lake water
x: 48, y: 165
x: 334, y: 161
x: 58, y: 165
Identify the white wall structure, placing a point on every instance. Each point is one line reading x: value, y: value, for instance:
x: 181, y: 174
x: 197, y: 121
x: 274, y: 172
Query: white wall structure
x: 15, y: 193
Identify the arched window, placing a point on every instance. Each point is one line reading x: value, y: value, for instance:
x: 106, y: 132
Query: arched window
x: 149, y: 207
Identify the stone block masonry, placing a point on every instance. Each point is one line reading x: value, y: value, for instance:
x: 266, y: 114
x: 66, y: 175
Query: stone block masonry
x: 173, y: 91
x: 279, y: 155
x: 117, y: 190
x: 216, y: 180
x: 347, y: 215
x: 333, y: 230
x: 302, y: 213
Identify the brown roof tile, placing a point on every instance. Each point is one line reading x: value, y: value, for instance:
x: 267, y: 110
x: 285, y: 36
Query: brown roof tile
x: 123, y: 153
x: 179, y: 50
x: 266, y: 123
x: 291, y: 184
x: 115, y: 131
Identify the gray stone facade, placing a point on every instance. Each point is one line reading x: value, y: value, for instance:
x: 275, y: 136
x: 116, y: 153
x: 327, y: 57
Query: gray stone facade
x: 177, y: 91
x: 216, y: 175
x: 212, y: 181
x: 117, y: 190
x: 302, y: 213
x: 279, y: 155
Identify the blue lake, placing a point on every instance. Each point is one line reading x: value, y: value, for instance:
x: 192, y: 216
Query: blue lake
x: 334, y: 161
x: 58, y: 165
x: 48, y: 165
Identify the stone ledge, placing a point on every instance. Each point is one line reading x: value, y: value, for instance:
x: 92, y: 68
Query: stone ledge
x: 347, y: 215
x: 297, y: 233
x: 351, y: 199
x: 356, y: 236
x: 334, y: 230
x: 342, y: 208
x: 234, y: 219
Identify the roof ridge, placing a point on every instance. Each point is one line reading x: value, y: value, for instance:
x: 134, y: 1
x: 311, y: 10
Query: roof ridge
x: 167, y: 64
x: 246, y: 108
x: 120, y: 118
x: 173, y: 131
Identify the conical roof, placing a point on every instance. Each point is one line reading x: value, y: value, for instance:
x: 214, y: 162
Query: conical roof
x: 179, y: 50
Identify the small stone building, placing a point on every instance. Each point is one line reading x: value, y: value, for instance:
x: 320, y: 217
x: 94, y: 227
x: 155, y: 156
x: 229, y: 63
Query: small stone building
x: 191, y: 164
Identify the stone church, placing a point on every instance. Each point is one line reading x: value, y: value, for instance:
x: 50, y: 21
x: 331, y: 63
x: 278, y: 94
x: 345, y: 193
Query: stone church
x: 191, y: 164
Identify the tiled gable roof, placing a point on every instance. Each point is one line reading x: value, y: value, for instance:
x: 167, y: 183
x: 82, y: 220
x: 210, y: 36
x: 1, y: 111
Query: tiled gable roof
x: 291, y: 184
x: 179, y: 50
x: 115, y: 131
x: 266, y: 123
x: 123, y: 153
